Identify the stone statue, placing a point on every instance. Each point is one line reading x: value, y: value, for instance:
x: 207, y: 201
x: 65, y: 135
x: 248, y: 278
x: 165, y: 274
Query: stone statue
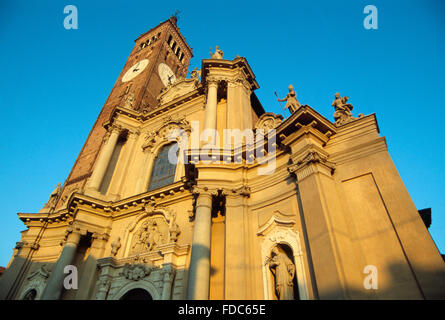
x: 155, y: 237
x: 148, y: 237
x: 195, y: 73
x: 140, y: 238
x: 342, y: 113
x: 283, y: 270
x: 129, y: 101
x: 115, y: 246
x: 291, y: 100
x: 218, y: 53
x: 174, y: 229
x: 51, y: 204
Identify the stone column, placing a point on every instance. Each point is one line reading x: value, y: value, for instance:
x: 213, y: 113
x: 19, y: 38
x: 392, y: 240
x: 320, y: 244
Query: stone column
x: 199, y: 272
x: 212, y: 101
x: 54, y: 287
x: 104, y: 159
x: 236, y: 253
x: 145, y: 173
x: 169, y: 275
x: 88, y: 277
x: 121, y: 170
x: 12, y: 276
x: 239, y: 109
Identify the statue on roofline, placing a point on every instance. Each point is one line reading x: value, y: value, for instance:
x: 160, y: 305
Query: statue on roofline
x: 218, y: 54
x: 291, y: 100
x: 195, y: 73
x: 342, y: 113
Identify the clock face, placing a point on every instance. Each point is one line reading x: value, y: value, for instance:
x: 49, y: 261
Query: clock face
x: 166, y: 74
x: 133, y: 71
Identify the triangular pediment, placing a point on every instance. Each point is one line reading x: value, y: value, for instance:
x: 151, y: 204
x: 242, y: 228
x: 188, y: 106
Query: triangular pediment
x: 305, y: 120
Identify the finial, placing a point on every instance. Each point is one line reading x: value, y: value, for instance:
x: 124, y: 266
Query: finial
x: 175, y: 16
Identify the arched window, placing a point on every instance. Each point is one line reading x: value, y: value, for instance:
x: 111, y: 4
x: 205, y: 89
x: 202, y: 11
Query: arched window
x: 163, y: 170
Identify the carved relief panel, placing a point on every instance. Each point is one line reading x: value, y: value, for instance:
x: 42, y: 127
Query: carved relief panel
x: 155, y: 227
x: 152, y: 233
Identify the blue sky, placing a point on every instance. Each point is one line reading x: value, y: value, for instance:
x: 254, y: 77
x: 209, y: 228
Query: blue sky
x: 55, y: 81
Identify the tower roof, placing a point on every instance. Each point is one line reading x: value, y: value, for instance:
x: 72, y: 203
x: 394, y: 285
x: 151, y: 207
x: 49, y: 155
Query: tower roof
x: 172, y: 21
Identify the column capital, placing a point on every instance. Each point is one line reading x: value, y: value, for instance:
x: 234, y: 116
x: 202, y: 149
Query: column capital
x: 308, y: 163
x: 115, y: 128
x: 73, y: 238
x: 168, y: 272
x: 100, y: 236
x: 133, y: 134
x: 213, y: 80
x: 239, y: 81
x: 205, y: 191
x: 243, y: 191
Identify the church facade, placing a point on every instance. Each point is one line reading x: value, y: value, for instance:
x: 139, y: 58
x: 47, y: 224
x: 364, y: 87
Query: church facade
x: 186, y: 188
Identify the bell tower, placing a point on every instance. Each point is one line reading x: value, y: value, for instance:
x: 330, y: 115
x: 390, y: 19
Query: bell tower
x: 159, y: 57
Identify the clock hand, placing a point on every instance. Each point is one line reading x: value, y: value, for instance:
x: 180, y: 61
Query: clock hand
x: 136, y: 67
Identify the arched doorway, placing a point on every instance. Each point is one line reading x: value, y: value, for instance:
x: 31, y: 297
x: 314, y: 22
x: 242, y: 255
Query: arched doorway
x: 30, y: 295
x: 137, y: 294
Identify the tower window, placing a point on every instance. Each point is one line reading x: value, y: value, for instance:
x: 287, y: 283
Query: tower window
x: 164, y: 171
x: 170, y: 38
x: 174, y: 46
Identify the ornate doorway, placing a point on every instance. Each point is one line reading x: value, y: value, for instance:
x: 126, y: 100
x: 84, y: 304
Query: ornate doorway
x: 137, y: 294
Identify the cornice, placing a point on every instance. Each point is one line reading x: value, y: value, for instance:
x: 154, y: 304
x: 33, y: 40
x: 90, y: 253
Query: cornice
x: 238, y: 62
x: 145, y: 115
x: 306, y: 116
x: 107, y: 209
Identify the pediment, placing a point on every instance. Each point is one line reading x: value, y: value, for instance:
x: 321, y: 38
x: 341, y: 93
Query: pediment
x: 39, y: 273
x: 268, y: 121
x: 178, y: 89
x: 267, y: 227
x: 306, y: 116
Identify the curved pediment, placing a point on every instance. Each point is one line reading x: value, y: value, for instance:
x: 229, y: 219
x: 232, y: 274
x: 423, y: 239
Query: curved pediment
x: 269, y: 121
x: 180, y: 88
x: 156, y: 226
